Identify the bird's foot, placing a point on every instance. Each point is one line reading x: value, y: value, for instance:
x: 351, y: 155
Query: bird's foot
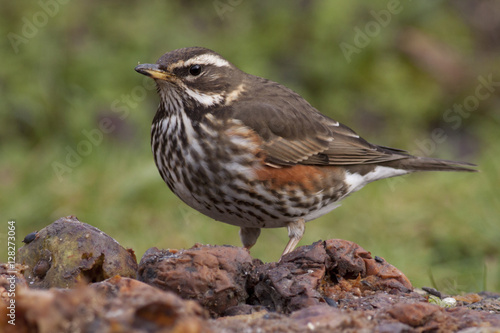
x: 295, y: 233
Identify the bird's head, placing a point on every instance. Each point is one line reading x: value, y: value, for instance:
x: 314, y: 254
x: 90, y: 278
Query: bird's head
x: 194, y: 76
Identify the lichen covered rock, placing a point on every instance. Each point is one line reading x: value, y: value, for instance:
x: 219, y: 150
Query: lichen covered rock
x: 68, y: 252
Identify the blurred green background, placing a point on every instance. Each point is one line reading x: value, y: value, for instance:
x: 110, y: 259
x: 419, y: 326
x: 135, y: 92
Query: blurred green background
x: 411, y: 75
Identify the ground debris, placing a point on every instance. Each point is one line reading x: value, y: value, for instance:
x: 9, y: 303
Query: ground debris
x: 332, y: 285
x: 115, y: 305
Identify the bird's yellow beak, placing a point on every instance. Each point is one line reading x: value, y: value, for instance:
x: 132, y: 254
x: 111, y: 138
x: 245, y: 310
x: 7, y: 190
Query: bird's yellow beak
x: 153, y: 71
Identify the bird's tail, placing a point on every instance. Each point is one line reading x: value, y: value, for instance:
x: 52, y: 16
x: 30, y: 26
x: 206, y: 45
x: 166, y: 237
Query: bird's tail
x: 415, y: 163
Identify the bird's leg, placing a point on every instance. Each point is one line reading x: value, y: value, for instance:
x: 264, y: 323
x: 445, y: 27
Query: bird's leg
x: 249, y: 236
x: 295, y: 233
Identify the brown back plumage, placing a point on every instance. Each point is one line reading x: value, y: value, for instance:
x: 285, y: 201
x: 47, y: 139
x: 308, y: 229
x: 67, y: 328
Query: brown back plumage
x: 294, y: 132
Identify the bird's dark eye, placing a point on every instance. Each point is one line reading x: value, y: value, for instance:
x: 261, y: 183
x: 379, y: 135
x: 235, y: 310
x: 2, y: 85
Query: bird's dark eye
x: 195, y: 70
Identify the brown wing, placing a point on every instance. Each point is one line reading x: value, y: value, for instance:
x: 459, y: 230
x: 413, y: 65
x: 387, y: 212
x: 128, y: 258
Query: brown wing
x: 296, y: 133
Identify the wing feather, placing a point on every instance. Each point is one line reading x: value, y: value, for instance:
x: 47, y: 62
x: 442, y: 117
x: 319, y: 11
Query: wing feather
x: 294, y: 132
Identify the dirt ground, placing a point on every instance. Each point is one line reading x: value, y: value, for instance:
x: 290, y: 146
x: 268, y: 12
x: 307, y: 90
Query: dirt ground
x: 71, y: 277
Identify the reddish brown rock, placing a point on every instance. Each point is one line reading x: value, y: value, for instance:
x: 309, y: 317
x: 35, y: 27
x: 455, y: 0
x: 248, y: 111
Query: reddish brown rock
x: 432, y: 318
x: 328, y: 318
x: 327, y: 286
x: 292, y: 283
x: 215, y: 276
x: 351, y: 261
x: 147, y: 308
x: 68, y: 252
x: 416, y: 315
x: 262, y: 322
x: 115, y: 305
x: 221, y: 278
x: 468, y: 298
x: 322, y: 273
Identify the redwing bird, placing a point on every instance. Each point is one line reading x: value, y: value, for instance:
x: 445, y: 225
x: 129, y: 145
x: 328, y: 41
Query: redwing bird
x: 250, y: 152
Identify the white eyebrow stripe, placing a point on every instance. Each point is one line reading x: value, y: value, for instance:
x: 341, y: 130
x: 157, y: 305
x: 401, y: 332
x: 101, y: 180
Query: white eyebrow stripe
x: 210, y: 59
